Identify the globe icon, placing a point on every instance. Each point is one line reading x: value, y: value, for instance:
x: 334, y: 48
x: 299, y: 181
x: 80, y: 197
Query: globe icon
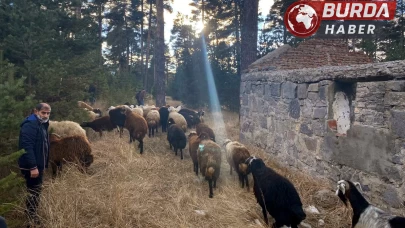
x: 302, y: 20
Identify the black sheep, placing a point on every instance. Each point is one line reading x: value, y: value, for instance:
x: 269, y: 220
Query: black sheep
x: 275, y: 194
x: 117, y: 118
x: 176, y: 137
x: 192, y: 117
x: 164, y: 115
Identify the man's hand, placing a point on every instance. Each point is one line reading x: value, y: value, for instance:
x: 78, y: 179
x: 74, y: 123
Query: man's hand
x: 34, y: 173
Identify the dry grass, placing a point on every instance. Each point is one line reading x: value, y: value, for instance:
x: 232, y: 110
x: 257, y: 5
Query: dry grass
x: 158, y: 189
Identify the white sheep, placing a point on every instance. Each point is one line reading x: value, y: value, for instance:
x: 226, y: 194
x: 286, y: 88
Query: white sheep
x: 177, y: 118
x: 66, y: 128
x: 153, y: 120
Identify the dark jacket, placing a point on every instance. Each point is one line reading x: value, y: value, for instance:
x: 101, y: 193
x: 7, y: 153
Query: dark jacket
x: 34, y: 138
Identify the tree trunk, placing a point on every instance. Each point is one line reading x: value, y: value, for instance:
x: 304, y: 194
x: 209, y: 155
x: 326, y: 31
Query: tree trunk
x: 142, y: 67
x: 160, y: 56
x: 237, y: 45
x: 145, y: 76
x: 249, y: 33
x: 100, y: 30
x: 127, y: 43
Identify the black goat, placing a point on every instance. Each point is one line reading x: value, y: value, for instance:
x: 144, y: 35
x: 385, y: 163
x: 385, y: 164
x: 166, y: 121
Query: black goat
x: 365, y: 214
x: 275, y: 194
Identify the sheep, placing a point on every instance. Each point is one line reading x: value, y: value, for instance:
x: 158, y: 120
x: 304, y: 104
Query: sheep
x: 164, y: 116
x: 82, y: 104
x: 202, y: 127
x: 66, y: 128
x: 192, y: 117
x: 90, y: 109
x: 209, y: 160
x: 153, y: 119
x: 99, y: 125
x: 193, y: 142
x: 178, y: 119
x: 365, y: 214
x: 275, y: 194
x: 146, y: 109
x: 135, y: 124
x: 236, y: 154
x: 177, y: 138
x: 117, y: 117
x: 137, y: 109
x: 75, y: 149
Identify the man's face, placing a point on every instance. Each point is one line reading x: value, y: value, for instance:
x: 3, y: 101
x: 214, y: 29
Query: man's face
x: 43, y: 113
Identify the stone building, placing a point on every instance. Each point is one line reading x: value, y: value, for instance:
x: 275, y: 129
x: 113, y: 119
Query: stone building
x: 330, y: 111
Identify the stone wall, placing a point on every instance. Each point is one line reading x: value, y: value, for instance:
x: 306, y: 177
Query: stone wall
x: 346, y: 127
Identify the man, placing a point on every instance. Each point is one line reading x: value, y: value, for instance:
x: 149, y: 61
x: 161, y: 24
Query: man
x: 34, y: 139
x: 3, y: 223
x: 140, y: 96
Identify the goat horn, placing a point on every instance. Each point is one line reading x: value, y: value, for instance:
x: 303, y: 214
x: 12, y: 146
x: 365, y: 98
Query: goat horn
x: 358, y: 184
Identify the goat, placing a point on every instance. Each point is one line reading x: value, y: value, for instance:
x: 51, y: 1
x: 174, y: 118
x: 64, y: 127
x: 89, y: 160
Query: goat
x: 276, y: 195
x: 365, y: 214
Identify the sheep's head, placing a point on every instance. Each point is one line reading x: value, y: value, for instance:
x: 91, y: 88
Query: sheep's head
x: 254, y: 163
x: 110, y: 108
x: 201, y: 113
x: 192, y: 133
x: 227, y: 141
x: 87, y: 160
x: 170, y: 121
x: 54, y: 137
x: 204, y: 136
x: 98, y: 111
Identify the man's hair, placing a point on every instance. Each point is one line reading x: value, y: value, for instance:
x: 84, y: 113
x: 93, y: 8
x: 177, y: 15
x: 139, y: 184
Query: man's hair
x: 39, y: 106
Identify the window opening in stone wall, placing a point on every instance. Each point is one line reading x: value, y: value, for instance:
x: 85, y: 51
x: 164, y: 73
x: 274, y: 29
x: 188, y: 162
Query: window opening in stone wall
x: 343, y: 114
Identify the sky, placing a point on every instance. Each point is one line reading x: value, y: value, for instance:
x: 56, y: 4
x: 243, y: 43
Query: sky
x: 183, y: 7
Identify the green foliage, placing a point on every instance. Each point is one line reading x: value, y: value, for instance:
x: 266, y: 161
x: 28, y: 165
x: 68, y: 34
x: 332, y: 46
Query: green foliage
x: 11, y: 184
x: 14, y: 106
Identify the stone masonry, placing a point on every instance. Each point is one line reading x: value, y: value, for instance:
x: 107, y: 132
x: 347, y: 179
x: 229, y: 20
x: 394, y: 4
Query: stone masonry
x: 339, y: 122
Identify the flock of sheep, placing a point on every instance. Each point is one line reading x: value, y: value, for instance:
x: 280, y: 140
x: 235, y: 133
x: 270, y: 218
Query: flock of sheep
x: 274, y: 193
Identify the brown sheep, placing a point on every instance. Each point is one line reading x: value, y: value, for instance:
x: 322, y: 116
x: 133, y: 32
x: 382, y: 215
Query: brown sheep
x: 75, y: 149
x: 236, y: 155
x: 136, y: 125
x: 99, y: 125
x: 193, y: 142
x: 202, y: 127
x: 153, y: 120
x: 209, y: 160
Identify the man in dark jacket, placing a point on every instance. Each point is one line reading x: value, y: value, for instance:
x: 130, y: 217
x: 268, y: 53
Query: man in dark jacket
x: 34, y: 139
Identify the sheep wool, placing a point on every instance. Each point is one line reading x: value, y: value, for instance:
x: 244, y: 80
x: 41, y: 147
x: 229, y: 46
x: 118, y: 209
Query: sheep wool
x: 99, y: 125
x: 236, y: 155
x: 75, y: 149
x: 178, y: 119
x: 209, y: 160
x: 202, y: 127
x: 153, y: 120
x: 66, y: 128
x: 82, y: 104
x: 193, y: 145
x: 137, y: 127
